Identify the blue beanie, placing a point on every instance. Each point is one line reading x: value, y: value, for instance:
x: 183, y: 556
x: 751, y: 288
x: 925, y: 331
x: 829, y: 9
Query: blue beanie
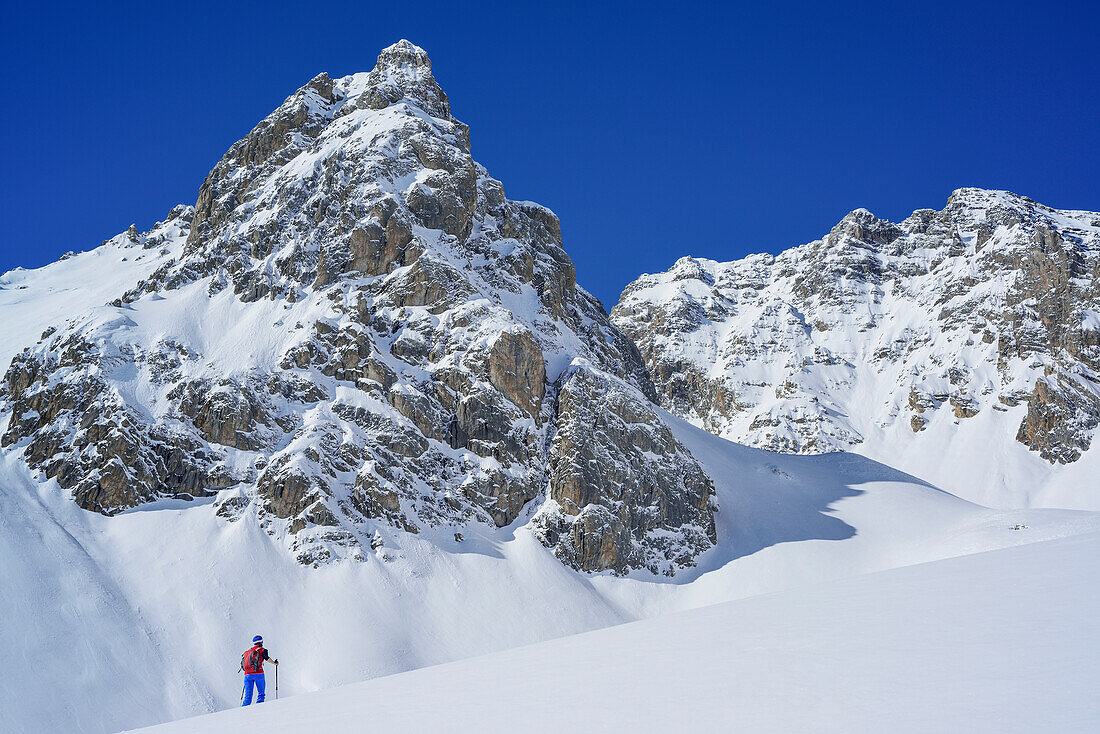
x: 257, y: 640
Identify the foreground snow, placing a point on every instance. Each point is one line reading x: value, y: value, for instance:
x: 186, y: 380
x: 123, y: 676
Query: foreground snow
x: 153, y: 607
x: 1001, y: 641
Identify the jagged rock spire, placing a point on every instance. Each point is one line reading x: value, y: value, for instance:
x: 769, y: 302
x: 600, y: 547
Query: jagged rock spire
x: 404, y: 70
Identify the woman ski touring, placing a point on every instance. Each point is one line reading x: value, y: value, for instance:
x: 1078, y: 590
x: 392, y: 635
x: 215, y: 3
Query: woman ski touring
x: 252, y: 663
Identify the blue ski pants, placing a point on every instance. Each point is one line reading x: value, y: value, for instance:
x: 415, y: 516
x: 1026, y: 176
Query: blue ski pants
x: 257, y: 680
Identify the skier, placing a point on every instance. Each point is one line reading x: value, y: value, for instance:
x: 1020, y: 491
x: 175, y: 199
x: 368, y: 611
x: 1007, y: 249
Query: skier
x: 252, y: 663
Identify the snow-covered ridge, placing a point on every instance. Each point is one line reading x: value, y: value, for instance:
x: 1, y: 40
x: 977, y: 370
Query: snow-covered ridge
x: 35, y: 300
x: 956, y: 344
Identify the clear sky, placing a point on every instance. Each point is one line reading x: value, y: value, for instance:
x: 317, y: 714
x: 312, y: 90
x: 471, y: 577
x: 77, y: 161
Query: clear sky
x: 653, y: 130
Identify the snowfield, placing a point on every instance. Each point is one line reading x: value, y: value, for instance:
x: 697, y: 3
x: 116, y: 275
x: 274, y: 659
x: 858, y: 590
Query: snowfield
x: 155, y: 606
x: 79, y: 282
x: 1002, y: 641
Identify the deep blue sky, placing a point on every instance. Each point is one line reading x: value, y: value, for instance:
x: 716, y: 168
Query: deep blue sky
x: 653, y: 130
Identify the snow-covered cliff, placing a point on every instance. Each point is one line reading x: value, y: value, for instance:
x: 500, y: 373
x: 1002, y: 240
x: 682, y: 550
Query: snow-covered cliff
x: 961, y: 345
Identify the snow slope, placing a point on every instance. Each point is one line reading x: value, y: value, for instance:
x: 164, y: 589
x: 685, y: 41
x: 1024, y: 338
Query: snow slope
x: 176, y: 585
x: 1001, y: 641
x: 70, y: 287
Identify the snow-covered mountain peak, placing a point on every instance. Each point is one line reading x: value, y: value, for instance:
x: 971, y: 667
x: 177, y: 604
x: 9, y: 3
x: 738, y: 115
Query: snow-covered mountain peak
x: 406, y: 67
x: 863, y: 227
x: 691, y: 268
x: 404, y: 57
x: 939, y: 336
x: 364, y: 338
x: 977, y: 199
x: 358, y: 145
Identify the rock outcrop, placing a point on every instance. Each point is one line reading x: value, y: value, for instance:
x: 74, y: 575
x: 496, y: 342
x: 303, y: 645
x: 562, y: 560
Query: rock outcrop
x: 619, y: 480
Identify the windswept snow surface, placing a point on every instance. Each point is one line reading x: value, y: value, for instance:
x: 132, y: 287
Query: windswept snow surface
x: 153, y: 607
x: 1002, y: 642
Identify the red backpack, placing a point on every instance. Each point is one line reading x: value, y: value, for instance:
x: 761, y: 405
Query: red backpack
x: 252, y: 661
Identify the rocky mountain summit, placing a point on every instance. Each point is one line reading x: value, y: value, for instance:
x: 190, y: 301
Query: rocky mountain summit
x: 354, y: 334
x: 955, y: 330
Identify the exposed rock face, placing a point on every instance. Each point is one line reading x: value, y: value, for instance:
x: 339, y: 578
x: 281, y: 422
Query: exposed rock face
x: 992, y: 302
x: 517, y: 369
x: 226, y: 413
x: 625, y: 493
x: 360, y: 334
x: 74, y: 425
x: 1061, y: 420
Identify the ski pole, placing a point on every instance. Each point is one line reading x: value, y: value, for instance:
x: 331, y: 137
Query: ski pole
x: 276, y: 681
